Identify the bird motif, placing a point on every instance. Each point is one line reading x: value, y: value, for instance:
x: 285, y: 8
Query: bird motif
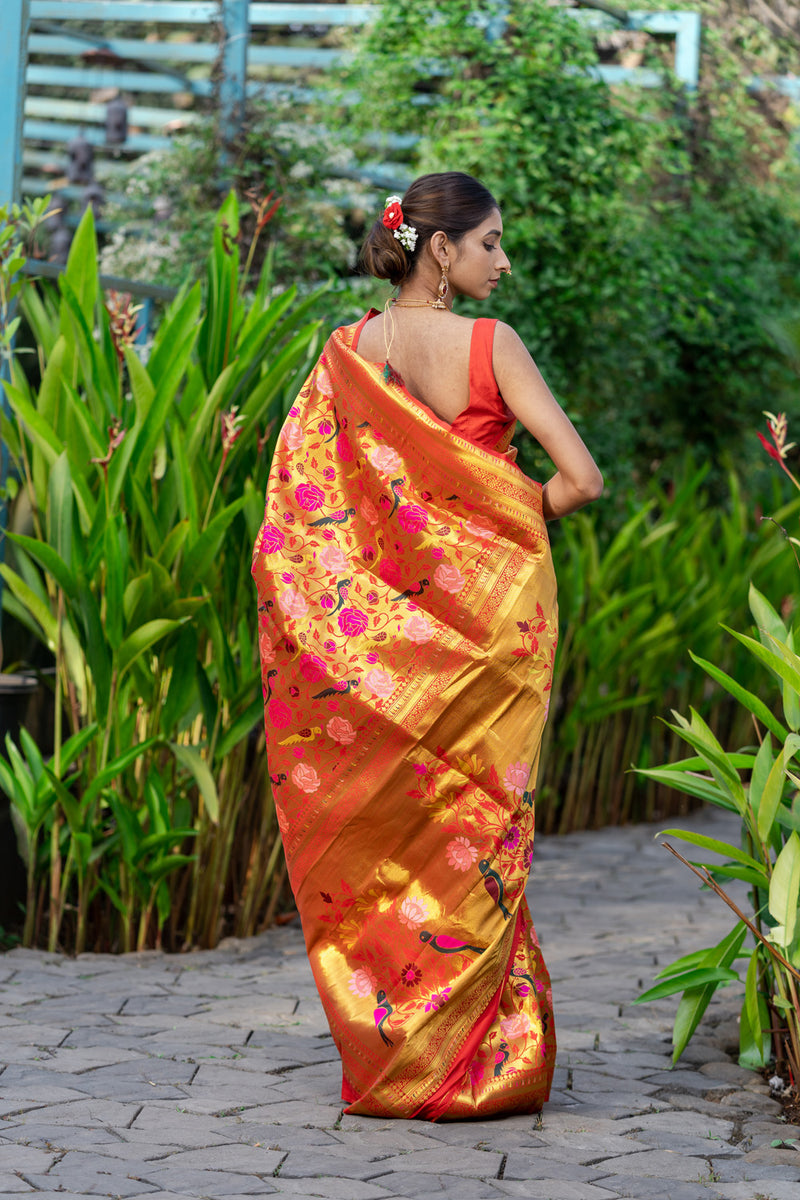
x: 382, y: 1014
x: 518, y: 973
x: 527, y: 798
x: 278, y: 779
x: 396, y: 485
x: 338, y: 518
x: 268, y: 690
x: 341, y: 588
x: 494, y: 885
x: 342, y: 687
x: 423, y: 583
x: 303, y: 735
x: 447, y: 945
x: 502, y: 1055
x: 545, y: 1021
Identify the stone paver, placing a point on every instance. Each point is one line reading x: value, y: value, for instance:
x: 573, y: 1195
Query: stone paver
x: 214, y: 1075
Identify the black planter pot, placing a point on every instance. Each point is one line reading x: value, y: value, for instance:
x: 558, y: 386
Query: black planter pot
x: 16, y: 692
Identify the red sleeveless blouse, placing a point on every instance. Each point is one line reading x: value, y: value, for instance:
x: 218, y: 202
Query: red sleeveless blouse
x: 487, y: 420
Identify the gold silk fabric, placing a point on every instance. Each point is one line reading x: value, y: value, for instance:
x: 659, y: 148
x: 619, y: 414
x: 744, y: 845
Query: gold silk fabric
x: 407, y: 623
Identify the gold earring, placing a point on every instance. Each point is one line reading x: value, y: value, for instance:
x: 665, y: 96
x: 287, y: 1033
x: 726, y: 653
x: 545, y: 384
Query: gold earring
x: 443, y: 289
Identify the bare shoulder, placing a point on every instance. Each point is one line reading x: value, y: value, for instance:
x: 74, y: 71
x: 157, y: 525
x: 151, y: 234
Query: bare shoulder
x: 508, y: 342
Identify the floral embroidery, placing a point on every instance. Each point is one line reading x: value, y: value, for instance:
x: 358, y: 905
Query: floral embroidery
x: 380, y: 683
x: 437, y: 1000
x: 448, y: 578
x: 461, y: 854
x: 309, y: 496
x: 305, y: 777
x: 413, y: 911
x: 516, y: 777
x: 385, y: 459
x: 362, y: 982
x: 340, y: 729
x: 515, y: 1026
x: 352, y: 621
x: 418, y: 629
x: 334, y: 560
x: 272, y: 539
x: 293, y: 435
x: 410, y: 975
x: 292, y: 603
x: 412, y: 517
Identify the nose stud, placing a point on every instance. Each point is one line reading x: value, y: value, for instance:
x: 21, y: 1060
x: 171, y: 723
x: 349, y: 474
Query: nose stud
x: 506, y: 270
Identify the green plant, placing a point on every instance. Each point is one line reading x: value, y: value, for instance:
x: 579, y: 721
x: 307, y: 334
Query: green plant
x: 153, y: 819
x: 650, y: 232
x: 760, y: 785
x: 631, y: 601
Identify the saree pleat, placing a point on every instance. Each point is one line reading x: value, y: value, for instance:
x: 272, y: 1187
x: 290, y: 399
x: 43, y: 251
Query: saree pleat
x: 407, y: 625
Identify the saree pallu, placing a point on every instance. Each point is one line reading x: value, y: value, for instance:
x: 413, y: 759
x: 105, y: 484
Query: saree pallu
x: 407, y: 625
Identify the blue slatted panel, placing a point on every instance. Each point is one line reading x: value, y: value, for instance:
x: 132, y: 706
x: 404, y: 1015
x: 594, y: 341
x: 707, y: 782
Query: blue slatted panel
x: 200, y: 13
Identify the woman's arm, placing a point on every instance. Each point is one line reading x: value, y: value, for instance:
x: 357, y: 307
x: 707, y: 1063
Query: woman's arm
x: 577, y: 480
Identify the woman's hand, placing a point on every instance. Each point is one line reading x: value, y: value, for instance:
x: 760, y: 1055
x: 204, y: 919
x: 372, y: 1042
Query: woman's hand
x: 577, y: 480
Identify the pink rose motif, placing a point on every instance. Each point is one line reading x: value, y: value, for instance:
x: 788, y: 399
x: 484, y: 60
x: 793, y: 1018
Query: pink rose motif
x: 287, y: 576
x: 380, y: 683
x: 385, y: 459
x: 412, y: 518
x: 329, y: 473
x: 324, y: 382
x: 479, y: 531
x: 417, y: 629
x: 515, y: 1026
x: 389, y: 572
x: 292, y: 603
x: 327, y: 601
x: 309, y: 496
x: 413, y: 912
x: 312, y: 668
x: 362, y: 982
x: 279, y: 713
x: 325, y: 428
x: 333, y: 560
x: 353, y: 621
x: 344, y: 448
x: 461, y: 854
x: 293, y: 435
x: 448, y: 578
x: 306, y: 778
x: 272, y: 539
x: 368, y: 511
x: 288, y: 518
x: 341, y: 731
x: 516, y: 778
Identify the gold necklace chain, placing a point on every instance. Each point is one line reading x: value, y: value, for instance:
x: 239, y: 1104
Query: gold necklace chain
x: 396, y: 302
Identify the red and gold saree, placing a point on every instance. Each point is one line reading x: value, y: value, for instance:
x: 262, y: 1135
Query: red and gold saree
x: 407, y: 622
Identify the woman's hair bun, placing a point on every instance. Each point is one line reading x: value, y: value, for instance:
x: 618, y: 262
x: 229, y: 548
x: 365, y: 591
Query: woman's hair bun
x: 450, y: 200
x: 383, y: 256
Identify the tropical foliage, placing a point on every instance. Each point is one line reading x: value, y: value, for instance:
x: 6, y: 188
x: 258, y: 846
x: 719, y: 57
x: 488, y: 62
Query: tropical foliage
x: 152, y: 822
x: 761, y: 785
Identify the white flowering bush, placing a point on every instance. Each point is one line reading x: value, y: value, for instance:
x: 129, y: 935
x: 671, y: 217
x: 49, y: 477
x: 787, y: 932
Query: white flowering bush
x: 165, y: 214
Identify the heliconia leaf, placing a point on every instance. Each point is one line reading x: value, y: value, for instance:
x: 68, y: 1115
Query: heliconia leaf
x: 750, y: 701
x: 772, y: 794
x: 196, y: 765
x: 694, y: 978
x: 784, y: 889
x: 142, y: 639
x: 765, y: 616
x: 725, y: 849
x: 786, y: 666
x: 755, y: 1041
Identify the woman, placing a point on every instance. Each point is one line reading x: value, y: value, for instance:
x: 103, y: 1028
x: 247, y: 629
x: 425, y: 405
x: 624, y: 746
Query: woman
x: 407, y: 630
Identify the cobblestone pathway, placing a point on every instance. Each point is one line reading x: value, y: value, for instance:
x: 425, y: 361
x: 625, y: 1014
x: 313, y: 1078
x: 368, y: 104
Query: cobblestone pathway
x: 213, y: 1074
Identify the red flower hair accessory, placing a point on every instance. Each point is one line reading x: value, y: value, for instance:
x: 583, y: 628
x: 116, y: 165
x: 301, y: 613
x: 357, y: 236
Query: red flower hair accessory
x: 393, y: 213
x: 393, y: 219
